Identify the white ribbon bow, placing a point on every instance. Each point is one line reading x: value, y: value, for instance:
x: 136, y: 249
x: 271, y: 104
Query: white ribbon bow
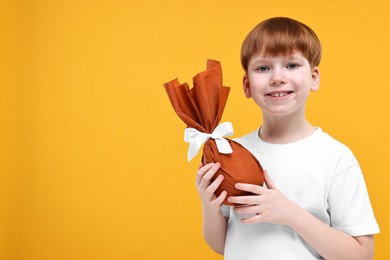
x: 196, y: 138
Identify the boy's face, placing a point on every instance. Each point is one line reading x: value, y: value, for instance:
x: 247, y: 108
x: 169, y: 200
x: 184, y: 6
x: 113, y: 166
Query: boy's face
x: 280, y: 85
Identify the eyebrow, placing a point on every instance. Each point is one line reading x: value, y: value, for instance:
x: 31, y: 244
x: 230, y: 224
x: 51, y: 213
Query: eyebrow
x: 267, y: 59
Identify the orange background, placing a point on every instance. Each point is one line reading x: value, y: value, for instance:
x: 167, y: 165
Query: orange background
x: 92, y: 159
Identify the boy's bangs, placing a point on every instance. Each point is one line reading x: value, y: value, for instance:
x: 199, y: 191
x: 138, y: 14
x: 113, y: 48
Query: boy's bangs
x: 280, y: 45
x: 281, y: 37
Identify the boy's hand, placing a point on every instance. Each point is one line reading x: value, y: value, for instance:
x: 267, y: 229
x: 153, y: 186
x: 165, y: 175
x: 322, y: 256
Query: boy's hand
x: 206, y: 189
x: 269, y: 204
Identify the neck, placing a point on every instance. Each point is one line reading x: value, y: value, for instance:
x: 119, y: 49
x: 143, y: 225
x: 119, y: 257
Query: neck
x: 283, y: 130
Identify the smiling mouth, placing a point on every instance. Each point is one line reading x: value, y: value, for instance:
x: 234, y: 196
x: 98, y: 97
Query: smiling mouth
x: 279, y: 94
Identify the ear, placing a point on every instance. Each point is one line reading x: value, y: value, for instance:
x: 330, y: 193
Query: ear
x: 246, y: 86
x: 315, y: 79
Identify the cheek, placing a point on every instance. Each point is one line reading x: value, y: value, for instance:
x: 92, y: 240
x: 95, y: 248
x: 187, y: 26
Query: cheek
x: 256, y: 90
x: 258, y: 82
x: 303, y: 82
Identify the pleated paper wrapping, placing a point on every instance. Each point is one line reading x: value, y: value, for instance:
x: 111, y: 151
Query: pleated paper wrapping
x: 201, y: 108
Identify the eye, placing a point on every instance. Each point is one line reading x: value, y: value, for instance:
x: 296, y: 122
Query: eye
x: 292, y: 66
x: 262, y: 68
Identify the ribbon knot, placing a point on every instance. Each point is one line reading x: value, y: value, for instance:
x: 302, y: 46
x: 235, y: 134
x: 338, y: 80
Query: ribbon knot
x: 196, y: 139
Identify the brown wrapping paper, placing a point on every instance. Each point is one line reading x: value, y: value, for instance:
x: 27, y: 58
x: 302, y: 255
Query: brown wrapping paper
x: 201, y: 108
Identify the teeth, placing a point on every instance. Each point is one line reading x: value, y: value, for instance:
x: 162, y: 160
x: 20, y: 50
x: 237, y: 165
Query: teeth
x: 279, y: 94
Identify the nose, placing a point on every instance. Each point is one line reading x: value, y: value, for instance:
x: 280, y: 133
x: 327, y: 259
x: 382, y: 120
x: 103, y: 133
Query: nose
x: 276, y: 78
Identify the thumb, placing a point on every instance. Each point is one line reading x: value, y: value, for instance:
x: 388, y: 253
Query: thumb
x: 270, y: 184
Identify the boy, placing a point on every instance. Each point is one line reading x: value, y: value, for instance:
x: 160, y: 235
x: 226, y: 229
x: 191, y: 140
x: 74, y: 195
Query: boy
x: 315, y: 204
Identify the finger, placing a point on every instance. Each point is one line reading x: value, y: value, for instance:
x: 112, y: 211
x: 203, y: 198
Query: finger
x: 247, y: 209
x: 244, y: 200
x: 202, y: 171
x: 256, y: 189
x: 214, y: 186
x: 270, y: 184
x: 200, y: 166
x: 219, y: 200
x: 253, y: 220
x: 208, y: 175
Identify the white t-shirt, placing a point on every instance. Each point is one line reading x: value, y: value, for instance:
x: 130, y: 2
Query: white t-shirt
x: 318, y: 173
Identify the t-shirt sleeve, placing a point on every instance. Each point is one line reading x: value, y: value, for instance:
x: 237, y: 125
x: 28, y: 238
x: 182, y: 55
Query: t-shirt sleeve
x: 225, y: 211
x: 349, y: 203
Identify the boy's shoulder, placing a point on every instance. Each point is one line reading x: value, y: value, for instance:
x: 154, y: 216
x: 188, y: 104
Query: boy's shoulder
x: 333, y: 144
x: 319, y: 139
x: 318, y: 146
x: 248, y: 140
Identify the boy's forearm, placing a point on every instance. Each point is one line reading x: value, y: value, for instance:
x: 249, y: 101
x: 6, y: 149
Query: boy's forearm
x: 329, y: 242
x: 214, y: 229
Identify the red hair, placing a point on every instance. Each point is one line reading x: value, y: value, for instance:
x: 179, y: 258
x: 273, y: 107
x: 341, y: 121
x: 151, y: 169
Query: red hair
x: 281, y: 36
